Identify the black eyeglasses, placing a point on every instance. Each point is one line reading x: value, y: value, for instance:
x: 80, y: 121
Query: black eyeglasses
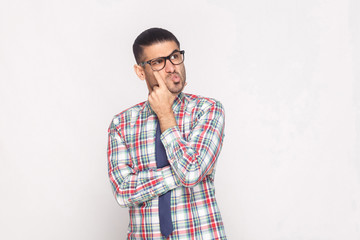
x: 176, y: 57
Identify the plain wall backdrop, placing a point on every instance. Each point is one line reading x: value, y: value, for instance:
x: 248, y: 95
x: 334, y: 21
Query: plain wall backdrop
x: 286, y: 71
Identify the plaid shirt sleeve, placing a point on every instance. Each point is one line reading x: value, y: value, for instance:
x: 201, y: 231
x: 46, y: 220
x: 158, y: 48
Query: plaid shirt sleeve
x: 193, y: 158
x: 131, y: 186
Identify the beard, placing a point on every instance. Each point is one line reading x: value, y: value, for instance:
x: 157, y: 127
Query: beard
x: 175, y: 81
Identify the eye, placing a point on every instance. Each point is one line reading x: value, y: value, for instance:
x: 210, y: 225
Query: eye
x: 157, y: 61
x: 175, y: 55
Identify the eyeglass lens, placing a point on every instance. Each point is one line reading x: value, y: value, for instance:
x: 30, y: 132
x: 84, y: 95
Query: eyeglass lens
x: 159, y: 63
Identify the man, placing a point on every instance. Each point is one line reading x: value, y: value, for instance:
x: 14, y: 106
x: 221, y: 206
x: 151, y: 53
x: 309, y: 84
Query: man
x: 162, y: 152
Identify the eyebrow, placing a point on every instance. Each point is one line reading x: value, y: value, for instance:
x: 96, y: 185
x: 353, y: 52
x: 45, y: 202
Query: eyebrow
x: 176, y: 50
x: 146, y: 61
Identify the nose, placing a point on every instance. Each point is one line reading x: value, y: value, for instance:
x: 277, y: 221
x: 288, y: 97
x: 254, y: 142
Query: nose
x: 169, y: 67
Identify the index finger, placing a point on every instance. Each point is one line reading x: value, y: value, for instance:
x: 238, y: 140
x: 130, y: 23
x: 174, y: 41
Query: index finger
x: 160, y: 80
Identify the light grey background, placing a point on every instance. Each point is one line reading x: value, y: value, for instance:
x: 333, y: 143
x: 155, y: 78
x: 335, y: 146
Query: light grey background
x: 286, y: 71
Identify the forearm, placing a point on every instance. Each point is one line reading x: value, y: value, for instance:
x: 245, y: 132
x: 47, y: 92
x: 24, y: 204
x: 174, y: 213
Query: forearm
x: 132, y: 186
x: 142, y: 186
x: 194, y: 157
x: 190, y: 163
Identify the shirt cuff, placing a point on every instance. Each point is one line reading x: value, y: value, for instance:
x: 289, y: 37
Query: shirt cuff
x: 168, y: 138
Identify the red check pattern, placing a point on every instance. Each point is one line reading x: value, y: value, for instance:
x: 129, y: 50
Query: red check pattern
x: 192, y: 149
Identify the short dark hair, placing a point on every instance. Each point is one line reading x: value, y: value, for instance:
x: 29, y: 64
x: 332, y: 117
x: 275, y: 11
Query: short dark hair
x: 149, y: 37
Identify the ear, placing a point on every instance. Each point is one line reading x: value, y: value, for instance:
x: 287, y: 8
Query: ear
x: 139, y: 71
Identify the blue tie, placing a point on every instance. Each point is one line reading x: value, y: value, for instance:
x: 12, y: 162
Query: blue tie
x: 166, y: 225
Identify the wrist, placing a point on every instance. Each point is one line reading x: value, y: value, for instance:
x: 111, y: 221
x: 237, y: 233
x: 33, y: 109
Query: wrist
x: 164, y: 115
x: 167, y: 121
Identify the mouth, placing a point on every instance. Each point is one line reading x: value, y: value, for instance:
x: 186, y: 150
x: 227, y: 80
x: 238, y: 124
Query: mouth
x: 174, y: 77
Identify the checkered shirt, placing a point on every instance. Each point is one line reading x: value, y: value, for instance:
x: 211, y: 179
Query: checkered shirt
x: 192, y: 148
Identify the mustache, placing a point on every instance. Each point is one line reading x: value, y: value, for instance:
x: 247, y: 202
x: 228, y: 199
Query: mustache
x: 171, y: 74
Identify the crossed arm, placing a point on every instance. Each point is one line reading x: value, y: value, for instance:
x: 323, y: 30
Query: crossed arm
x: 190, y: 159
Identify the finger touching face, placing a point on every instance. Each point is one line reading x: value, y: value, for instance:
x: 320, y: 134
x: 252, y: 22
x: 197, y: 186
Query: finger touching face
x: 159, y: 79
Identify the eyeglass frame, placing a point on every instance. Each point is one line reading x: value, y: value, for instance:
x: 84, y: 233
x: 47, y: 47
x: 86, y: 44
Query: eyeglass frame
x: 182, y: 52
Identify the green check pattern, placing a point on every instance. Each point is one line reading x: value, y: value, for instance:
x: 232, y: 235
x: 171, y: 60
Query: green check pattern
x: 192, y: 148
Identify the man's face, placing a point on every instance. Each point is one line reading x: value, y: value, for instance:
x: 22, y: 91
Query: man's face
x: 173, y: 75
